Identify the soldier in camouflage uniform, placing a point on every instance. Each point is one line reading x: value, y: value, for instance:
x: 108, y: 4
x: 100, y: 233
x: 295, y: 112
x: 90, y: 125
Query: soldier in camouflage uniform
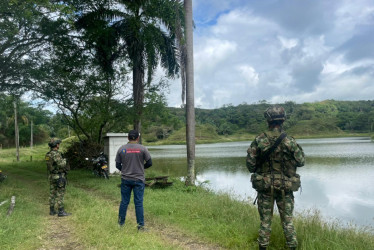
x: 273, y: 158
x: 57, y: 170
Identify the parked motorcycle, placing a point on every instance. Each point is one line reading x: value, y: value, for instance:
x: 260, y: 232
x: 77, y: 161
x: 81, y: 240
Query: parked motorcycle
x: 100, y: 166
x: 2, y: 176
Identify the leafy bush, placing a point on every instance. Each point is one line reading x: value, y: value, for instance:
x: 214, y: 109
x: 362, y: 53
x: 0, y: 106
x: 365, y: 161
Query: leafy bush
x: 77, y: 153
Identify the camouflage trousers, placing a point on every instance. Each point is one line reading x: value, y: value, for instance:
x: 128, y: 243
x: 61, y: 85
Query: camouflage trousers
x: 285, y: 207
x: 57, y: 192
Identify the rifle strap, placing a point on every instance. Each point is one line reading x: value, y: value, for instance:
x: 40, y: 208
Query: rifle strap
x: 275, y: 145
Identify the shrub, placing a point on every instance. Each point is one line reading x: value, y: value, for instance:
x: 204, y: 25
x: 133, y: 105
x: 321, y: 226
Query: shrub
x: 77, y: 153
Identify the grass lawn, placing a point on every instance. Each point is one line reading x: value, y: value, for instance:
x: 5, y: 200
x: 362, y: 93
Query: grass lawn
x: 178, y: 217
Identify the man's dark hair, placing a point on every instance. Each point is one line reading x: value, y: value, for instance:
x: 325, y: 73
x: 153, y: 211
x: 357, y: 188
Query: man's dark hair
x: 133, y: 135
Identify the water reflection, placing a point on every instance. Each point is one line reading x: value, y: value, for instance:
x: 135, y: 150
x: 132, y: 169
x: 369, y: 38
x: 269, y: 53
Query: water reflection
x: 337, y: 179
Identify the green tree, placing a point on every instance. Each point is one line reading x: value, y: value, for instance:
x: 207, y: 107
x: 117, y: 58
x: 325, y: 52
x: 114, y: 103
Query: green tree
x: 142, y: 32
x: 25, y: 28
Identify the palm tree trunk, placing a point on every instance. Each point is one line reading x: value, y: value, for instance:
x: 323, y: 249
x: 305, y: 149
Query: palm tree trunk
x: 190, y: 102
x: 138, y: 94
x: 16, y: 131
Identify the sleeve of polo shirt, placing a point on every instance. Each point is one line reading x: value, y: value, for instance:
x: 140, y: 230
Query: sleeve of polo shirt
x: 146, y: 154
x: 118, y: 158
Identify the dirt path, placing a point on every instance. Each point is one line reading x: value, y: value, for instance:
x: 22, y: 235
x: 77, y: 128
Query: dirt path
x: 178, y: 238
x: 59, y: 235
x: 59, y: 232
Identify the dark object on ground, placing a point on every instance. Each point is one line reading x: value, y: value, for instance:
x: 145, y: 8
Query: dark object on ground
x: 159, y: 181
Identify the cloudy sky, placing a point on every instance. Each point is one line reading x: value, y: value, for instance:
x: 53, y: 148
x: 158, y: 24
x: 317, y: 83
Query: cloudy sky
x: 281, y: 50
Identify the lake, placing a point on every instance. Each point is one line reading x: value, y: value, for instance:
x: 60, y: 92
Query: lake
x: 337, y: 180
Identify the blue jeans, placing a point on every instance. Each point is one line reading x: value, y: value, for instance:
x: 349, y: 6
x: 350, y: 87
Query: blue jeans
x: 126, y: 187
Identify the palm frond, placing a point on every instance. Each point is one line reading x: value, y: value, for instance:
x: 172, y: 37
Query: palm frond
x: 101, y: 16
x: 164, y: 46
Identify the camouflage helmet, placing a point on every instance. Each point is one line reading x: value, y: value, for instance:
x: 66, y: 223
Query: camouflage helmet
x: 275, y: 113
x: 53, y: 142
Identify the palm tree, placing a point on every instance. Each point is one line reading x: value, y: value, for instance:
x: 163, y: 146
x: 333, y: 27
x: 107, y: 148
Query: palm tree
x: 190, y: 102
x: 145, y: 31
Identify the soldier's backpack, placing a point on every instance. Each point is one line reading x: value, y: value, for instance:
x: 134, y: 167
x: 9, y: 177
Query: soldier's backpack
x: 264, y: 182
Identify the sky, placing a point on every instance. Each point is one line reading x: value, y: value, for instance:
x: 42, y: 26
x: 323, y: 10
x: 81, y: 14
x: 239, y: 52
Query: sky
x: 246, y: 51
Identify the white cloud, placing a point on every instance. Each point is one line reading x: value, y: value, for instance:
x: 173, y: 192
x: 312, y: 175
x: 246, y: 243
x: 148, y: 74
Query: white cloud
x: 212, y: 53
x: 249, y: 74
x: 288, y: 43
x: 247, y: 51
x: 335, y: 66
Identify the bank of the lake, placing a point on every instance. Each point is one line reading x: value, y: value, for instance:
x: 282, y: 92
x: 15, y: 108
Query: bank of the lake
x: 202, y: 138
x: 190, y: 213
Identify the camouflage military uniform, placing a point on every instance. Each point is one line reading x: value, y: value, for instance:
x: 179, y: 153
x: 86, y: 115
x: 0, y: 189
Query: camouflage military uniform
x: 283, y: 161
x: 57, y: 168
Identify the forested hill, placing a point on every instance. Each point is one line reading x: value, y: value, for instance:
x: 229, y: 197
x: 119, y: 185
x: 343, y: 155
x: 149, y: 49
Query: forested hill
x: 319, y: 118
x: 167, y: 125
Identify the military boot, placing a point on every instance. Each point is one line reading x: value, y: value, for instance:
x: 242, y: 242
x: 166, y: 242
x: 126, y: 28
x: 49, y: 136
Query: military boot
x: 52, y: 210
x: 62, y: 213
x: 261, y: 247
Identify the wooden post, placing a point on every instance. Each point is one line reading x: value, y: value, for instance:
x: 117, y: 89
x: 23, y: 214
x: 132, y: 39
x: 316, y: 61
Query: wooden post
x: 12, y: 205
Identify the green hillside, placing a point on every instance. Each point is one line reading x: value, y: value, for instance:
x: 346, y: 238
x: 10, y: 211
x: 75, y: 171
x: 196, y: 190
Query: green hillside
x: 326, y: 118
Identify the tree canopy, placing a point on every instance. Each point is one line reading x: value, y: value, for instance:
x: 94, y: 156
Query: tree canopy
x: 78, y: 55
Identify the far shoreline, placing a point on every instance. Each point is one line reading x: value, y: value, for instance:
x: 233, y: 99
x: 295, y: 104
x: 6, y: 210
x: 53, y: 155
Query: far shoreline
x: 250, y: 137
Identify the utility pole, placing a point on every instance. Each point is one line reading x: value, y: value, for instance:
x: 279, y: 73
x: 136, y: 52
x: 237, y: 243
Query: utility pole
x: 32, y: 137
x: 16, y: 128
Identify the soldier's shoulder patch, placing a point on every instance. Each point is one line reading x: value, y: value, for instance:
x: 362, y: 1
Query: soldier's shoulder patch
x: 47, y: 158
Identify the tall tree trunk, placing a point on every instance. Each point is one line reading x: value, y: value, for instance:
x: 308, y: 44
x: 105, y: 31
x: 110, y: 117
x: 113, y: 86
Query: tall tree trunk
x: 101, y: 129
x: 138, y: 93
x: 32, y: 135
x: 190, y: 102
x: 16, y: 131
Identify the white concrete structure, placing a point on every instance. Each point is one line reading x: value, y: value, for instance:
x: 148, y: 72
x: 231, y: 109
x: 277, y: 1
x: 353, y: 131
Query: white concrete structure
x: 112, y: 142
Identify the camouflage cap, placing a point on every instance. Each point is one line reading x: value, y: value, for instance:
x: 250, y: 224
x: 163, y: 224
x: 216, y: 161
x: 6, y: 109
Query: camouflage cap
x: 53, y: 142
x: 275, y: 113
